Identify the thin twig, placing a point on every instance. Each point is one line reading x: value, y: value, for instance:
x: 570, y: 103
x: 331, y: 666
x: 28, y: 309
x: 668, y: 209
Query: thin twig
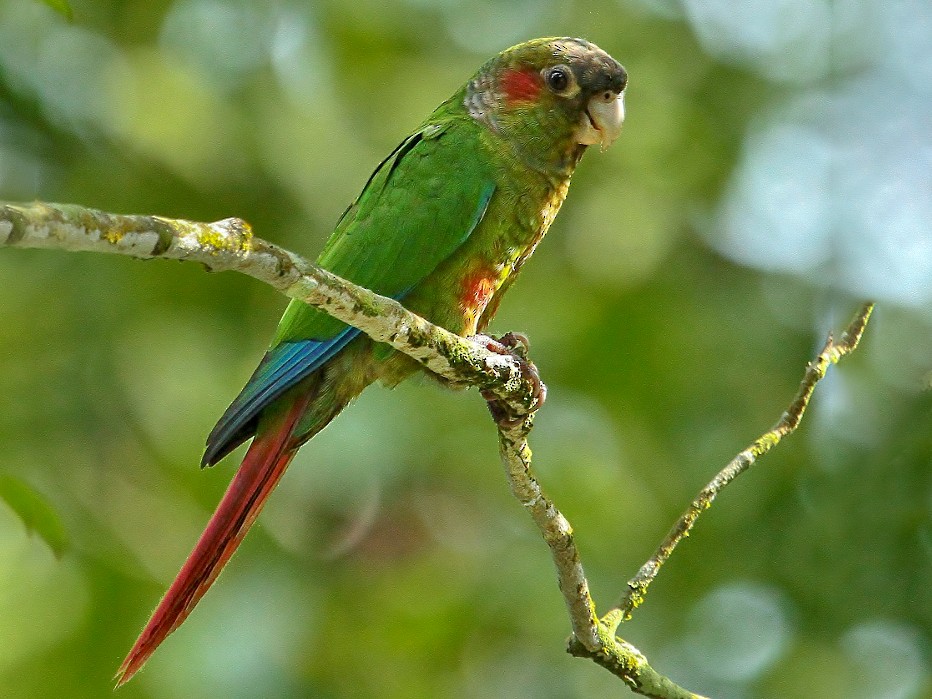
x: 554, y: 527
x: 628, y: 663
x: 590, y: 639
x: 831, y: 352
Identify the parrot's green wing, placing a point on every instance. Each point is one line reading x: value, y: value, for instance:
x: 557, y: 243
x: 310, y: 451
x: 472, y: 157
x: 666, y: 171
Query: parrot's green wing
x: 421, y: 203
x: 417, y: 208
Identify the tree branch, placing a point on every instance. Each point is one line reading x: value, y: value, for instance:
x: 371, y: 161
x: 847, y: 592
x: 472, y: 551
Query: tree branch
x: 831, y: 352
x: 514, y: 393
x: 616, y: 654
x: 230, y: 245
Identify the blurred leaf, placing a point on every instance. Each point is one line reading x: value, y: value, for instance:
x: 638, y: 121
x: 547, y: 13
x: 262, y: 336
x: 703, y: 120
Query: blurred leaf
x: 35, y: 511
x: 62, y: 7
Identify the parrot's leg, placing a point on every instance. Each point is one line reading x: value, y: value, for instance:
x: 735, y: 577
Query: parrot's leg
x: 516, y: 345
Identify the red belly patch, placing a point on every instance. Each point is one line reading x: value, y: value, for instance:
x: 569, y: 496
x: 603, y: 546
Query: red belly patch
x: 477, y: 291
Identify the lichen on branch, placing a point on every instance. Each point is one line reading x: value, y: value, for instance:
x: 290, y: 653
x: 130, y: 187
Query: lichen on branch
x: 230, y: 245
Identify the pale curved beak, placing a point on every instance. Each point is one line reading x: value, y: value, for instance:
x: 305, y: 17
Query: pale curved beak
x: 602, y: 119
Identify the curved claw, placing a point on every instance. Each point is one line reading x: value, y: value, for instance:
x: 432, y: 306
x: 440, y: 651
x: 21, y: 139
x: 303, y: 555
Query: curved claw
x: 517, y: 345
x: 517, y: 342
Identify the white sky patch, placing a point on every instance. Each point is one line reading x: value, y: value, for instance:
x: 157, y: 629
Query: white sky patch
x: 782, y: 39
x: 837, y: 186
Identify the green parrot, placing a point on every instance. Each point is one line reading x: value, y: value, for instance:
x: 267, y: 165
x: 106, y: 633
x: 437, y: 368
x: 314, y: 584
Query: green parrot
x: 443, y: 225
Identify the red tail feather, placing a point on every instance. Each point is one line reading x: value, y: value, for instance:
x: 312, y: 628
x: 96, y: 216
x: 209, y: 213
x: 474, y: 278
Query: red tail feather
x: 262, y: 467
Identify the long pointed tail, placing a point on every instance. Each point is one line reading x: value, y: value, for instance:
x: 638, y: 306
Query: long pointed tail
x: 265, y: 462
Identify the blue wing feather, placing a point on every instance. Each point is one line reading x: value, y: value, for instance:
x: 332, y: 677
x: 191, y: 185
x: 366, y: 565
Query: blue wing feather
x: 282, y: 367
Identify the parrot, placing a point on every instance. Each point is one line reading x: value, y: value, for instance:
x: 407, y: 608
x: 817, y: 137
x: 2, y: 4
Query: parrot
x: 443, y: 225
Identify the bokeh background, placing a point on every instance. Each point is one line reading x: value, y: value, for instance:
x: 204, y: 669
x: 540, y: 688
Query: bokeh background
x: 775, y: 169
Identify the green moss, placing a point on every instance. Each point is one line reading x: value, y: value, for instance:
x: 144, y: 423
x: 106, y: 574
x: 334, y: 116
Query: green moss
x: 208, y: 237
x: 16, y: 218
x: 765, y: 443
x: 368, y: 307
x: 111, y: 236
x: 165, y: 236
x: 234, y: 236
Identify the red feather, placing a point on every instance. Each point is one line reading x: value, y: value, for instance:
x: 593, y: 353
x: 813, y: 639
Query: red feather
x: 262, y: 467
x: 520, y: 85
x: 477, y: 290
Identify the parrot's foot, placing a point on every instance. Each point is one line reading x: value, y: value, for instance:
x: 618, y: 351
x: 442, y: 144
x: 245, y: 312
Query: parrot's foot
x: 517, y: 345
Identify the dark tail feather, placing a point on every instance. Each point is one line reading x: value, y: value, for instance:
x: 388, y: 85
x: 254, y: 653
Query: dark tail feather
x: 262, y: 467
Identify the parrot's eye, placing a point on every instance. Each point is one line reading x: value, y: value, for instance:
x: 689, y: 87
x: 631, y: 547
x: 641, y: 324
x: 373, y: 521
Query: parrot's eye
x: 559, y: 79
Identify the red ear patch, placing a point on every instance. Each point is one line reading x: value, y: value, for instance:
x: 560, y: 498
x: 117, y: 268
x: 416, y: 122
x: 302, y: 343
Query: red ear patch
x: 520, y: 85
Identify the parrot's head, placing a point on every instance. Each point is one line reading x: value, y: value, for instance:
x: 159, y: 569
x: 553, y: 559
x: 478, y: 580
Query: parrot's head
x: 550, y: 98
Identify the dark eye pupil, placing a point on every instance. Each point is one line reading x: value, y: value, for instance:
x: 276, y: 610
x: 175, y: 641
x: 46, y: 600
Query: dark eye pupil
x: 558, y: 79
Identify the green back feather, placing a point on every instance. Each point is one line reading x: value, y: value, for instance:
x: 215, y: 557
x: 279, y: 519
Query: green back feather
x: 417, y: 208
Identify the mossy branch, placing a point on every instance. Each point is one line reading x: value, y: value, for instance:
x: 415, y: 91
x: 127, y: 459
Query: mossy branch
x: 503, y: 378
x: 230, y: 245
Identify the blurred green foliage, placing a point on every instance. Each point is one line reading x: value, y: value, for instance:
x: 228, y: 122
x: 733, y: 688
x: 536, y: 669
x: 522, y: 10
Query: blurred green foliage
x: 62, y: 7
x: 35, y: 512
x: 392, y: 562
